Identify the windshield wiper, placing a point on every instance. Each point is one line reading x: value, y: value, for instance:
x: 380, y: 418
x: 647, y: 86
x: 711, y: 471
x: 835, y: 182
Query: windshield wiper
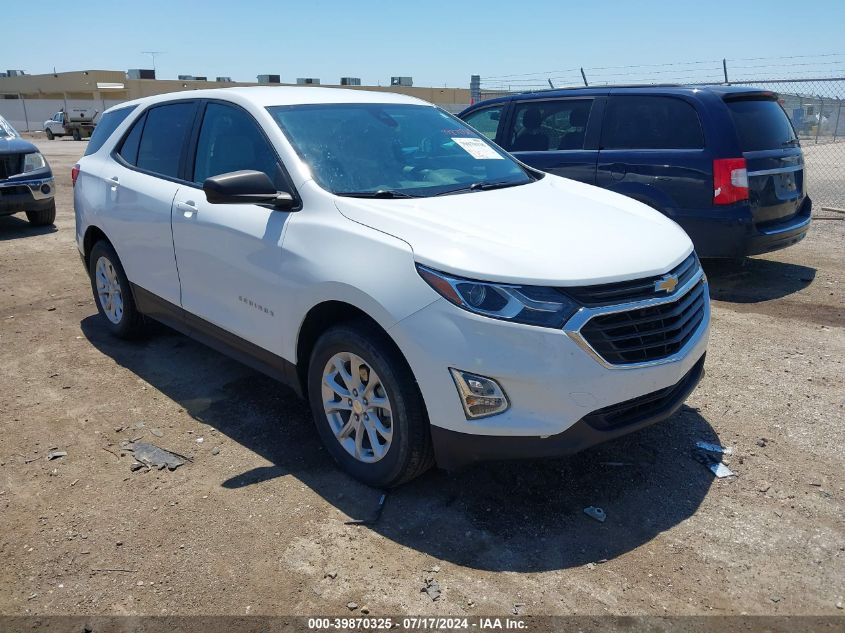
x: 482, y: 186
x: 381, y: 193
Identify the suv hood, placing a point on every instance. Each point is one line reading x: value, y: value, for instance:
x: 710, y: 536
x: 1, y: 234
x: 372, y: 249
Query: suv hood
x: 553, y: 231
x: 16, y: 146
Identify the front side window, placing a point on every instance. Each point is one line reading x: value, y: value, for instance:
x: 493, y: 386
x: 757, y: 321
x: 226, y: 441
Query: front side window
x: 163, y: 138
x: 230, y: 140
x: 394, y: 149
x: 107, y: 124
x: 486, y: 120
x: 640, y: 122
x: 551, y: 125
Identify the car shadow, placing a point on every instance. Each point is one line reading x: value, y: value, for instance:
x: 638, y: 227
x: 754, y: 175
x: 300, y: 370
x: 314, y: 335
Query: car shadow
x: 13, y: 227
x: 515, y: 516
x: 753, y: 280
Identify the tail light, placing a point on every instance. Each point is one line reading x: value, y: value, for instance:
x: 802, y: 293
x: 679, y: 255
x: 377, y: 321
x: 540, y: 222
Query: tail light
x: 74, y: 174
x: 730, y: 180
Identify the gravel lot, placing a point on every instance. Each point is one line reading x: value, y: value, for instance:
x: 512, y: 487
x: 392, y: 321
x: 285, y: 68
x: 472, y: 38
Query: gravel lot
x: 256, y: 523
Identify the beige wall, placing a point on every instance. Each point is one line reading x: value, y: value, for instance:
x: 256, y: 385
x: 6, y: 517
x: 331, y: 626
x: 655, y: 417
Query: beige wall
x: 83, y: 85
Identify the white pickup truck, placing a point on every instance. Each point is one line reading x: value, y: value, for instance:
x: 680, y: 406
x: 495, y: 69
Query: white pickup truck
x: 76, y: 122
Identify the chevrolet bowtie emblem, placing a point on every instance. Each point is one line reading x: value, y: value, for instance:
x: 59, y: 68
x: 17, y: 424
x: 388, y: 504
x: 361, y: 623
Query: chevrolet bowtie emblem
x: 667, y: 284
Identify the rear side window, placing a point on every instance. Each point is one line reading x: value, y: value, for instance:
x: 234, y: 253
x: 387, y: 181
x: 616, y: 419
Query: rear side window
x: 230, y: 140
x: 650, y: 123
x: 107, y: 124
x: 486, y: 120
x: 163, y: 138
x: 761, y: 124
x: 552, y: 125
x: 129, y: 148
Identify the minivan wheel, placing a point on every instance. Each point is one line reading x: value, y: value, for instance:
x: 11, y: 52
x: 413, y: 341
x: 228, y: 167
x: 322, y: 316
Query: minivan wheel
x: 112, y: 293
x: 367, y: 406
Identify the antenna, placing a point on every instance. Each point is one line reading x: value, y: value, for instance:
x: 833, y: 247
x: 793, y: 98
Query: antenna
x: 153, y: 55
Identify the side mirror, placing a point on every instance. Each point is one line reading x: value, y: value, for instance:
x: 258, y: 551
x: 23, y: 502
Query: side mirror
x: 245, y: 187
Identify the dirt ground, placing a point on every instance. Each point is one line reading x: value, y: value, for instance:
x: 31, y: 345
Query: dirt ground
x: 255, y: 524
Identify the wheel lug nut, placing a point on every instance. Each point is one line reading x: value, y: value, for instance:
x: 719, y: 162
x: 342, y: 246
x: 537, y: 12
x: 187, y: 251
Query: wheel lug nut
x: 355, y: 392
x: 365, y: 402
x: 349, y: 402
x: 356, y: 417
x: 366, y: 417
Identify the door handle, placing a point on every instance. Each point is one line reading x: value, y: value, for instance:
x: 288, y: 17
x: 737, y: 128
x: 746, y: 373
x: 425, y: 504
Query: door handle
x: 187, y: 208
x: 115, y: 181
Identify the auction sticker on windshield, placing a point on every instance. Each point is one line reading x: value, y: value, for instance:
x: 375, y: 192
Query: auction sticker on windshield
x: 477, y: 148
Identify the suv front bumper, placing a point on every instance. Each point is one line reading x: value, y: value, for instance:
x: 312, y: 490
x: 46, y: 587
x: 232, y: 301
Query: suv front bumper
x: 34, y: 194
x: 557, y: 390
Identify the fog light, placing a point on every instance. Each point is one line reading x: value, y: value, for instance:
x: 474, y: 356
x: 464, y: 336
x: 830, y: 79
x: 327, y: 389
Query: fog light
x: 480, y: 396
x: 45, y: 188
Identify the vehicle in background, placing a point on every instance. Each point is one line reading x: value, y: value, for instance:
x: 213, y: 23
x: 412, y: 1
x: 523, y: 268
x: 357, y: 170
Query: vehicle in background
x: 432, y: 297
x: 722, y: 161
x: 77, y: 122
x: 26, y: 180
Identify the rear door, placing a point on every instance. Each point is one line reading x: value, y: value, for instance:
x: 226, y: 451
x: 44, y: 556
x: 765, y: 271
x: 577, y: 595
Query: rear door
x: 558, y: 136
x: 773, y: 157
x: 142, y: 180
x: 652, y: 149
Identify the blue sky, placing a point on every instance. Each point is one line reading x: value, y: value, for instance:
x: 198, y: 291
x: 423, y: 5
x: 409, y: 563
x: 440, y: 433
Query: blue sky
x: 438, y: 43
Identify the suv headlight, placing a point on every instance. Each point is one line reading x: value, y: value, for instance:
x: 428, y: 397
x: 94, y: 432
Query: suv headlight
x: 33, y: 162
x: 531, y: 305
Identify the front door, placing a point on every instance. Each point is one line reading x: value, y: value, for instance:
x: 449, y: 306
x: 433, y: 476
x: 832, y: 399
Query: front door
x: 554, y: 136
x: 229, y: 255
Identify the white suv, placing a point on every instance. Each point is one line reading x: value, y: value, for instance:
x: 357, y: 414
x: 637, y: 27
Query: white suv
x: 433, y: 298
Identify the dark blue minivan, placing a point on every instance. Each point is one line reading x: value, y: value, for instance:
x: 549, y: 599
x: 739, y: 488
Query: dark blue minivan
x: 723, y: 161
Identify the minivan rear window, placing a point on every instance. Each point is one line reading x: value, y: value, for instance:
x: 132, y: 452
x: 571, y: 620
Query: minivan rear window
x: 761, y: 124
x: 107, y: 124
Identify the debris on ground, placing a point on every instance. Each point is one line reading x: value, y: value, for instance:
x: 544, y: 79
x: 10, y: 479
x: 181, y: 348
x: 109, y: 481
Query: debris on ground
x: 707, y: 455
x: 365, y: 610
x: 56, y: 455
x: 516, y: 608
x: 595, y: 513
x: 215, y: 450
x: 330, y: 574
x: 714, y: 448
x: 763, y: 486
x: 351, y: 605
x: 762, y: 442
x: 153, y: 456
x: 157, y: 432
x: 432, y: 588
x: 372, y: 519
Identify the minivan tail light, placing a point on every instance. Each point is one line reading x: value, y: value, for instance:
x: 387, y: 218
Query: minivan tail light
x: 730, y: 180
x: 74, y: 174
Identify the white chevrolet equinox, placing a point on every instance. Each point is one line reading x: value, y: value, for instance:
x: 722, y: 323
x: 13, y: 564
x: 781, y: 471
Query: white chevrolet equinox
x: 433, y: 298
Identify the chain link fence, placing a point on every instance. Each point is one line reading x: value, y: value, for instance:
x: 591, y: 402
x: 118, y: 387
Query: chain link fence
x: 816, y: 108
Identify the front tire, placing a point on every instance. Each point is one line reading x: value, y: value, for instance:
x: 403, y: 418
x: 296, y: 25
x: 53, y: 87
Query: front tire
x: 43, y: 217
x: 112, y: 292
x: 49, y: 133
x: 367, y: 407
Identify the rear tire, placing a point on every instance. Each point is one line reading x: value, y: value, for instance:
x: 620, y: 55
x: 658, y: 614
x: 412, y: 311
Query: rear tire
x: 112, y: 292
x: 77, y: 135
x: 44, y: 217
x: 49, y: 133
x: 408, y: 452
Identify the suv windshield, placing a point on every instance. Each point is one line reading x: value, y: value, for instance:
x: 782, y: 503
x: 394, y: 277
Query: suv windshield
x: 761, y: 124
x: 386, y: 150
x: 6, y: 129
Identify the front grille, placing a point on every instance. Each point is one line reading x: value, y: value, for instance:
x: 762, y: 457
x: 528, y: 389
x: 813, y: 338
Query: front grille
x: 634, y: 290
x: 19, y: 190
x: 10, y: 165
x: 651, y: 404
x: 647, y: 334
